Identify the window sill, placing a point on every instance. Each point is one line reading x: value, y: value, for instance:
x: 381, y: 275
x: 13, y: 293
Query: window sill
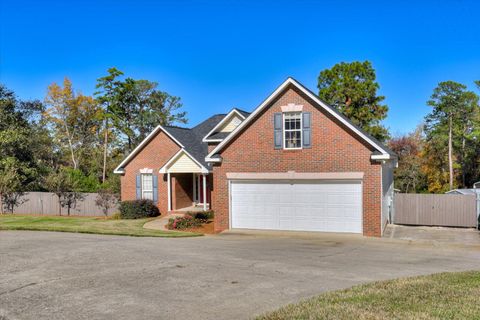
x: 291, y: 150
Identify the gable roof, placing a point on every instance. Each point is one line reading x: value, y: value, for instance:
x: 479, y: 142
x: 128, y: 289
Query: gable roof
x: 151, y: 135
x: 385, y: 152
x: 186, y: 138
x: 214, y: 132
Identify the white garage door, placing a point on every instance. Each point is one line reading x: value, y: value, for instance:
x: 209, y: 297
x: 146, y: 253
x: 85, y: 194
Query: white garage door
x: 301, y: 206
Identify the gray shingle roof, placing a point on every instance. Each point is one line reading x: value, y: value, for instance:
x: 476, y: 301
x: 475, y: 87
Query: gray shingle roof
x: 243, y: 112
x: 223, y: 135
x: 218, y: 135
x: 191, y: 138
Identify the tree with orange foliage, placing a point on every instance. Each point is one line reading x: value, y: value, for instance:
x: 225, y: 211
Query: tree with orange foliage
x: 73, y: 119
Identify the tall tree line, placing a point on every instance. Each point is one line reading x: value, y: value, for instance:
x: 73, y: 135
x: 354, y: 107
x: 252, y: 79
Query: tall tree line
x: 444, y: 152
x: 74, y: 141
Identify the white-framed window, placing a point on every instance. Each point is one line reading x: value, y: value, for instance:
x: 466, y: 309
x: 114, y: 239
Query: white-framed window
x: 292, y: 130
x: 147, y: 186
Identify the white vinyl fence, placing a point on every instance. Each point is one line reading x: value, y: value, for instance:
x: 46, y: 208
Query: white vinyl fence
x: 46, y: 203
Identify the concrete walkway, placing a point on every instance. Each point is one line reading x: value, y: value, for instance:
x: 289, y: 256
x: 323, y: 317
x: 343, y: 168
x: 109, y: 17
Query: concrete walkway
x: 162, y: 222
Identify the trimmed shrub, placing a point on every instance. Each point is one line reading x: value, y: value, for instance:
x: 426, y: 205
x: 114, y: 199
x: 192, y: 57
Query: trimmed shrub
x: 204, y: 216
x: 185, y: 222
x: 136, y: 209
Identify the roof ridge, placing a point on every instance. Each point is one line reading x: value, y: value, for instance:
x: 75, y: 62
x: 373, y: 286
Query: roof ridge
x: 212, y: 116
x: 178, y: 127
x: 238, y: 109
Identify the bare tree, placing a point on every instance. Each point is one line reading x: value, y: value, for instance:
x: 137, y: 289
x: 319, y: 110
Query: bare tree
x: 106, y: 200
x: 64, y: 186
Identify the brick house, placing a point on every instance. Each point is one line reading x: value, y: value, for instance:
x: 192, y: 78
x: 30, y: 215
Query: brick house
x: 294, y: 163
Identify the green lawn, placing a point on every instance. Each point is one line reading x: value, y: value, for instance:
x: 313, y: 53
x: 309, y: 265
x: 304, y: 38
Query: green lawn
x: 438, y: 296
x: 85, y: 225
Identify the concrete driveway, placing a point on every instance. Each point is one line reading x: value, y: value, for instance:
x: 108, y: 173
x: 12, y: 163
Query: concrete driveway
x: 434, y: 235
x: 46, y: 275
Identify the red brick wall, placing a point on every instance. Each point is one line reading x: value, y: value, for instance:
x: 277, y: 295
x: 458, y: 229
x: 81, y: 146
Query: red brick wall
x: 182, y: 190
x: 153, y: 156
x: 212, y: 146
x: 333, y: 150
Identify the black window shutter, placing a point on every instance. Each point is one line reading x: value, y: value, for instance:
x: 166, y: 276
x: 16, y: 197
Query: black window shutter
x: 155, y: 188
x: 139, y: 186
x: 277, y: 130
x: 307, y: 129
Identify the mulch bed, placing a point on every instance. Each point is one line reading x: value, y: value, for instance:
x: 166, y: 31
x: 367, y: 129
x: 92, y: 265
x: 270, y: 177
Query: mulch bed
x: 206, y: 228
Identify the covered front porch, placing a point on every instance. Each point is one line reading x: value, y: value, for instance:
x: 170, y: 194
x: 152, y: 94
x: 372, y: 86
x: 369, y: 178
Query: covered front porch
x: 188, y: 184
x: 188, y: 192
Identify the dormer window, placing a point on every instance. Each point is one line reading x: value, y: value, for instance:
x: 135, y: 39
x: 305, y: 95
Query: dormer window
x: 292, y: 130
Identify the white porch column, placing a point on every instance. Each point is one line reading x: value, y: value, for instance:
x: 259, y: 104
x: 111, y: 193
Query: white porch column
x: 169, y: 193
x: 204, y: 192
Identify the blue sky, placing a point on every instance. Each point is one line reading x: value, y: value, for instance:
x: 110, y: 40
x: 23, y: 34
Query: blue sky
x: 219, y: 54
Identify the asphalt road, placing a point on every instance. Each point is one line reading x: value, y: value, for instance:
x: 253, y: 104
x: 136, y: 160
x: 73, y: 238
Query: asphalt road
x: 47, y: 275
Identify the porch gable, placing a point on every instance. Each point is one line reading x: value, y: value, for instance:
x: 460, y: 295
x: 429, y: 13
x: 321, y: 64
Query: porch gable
x: 183, y: 162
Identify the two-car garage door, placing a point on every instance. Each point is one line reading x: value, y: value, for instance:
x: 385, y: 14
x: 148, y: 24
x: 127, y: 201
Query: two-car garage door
x: 304, y: 205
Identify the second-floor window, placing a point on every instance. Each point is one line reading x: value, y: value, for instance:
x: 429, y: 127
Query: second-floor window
x: 292, y: 124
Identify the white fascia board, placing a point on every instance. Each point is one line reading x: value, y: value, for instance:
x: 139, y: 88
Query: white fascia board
x: 311, y: 96
x: 212, y: 140
x: 380, y: 157
x: 207, y: 159
x: 119, y: 169
x: 220, y: 124
x: 164, y: 169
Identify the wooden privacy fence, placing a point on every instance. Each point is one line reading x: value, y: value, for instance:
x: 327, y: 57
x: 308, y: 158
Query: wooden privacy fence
x: 46, y: 203
x: 447, y: 210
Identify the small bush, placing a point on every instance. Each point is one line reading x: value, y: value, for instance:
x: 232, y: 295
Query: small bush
x: 180, y: 223
x: 203, y: 215
x: 115, y: 216
x: 137, y: 209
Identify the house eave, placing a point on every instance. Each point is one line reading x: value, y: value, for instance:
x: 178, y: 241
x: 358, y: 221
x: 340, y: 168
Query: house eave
x: 381, y: 157
x: 212, y: 140
x: 210, y: 159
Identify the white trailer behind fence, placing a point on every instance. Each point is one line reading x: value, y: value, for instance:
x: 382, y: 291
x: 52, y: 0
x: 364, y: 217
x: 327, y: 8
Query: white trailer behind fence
x: 46, y: 203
